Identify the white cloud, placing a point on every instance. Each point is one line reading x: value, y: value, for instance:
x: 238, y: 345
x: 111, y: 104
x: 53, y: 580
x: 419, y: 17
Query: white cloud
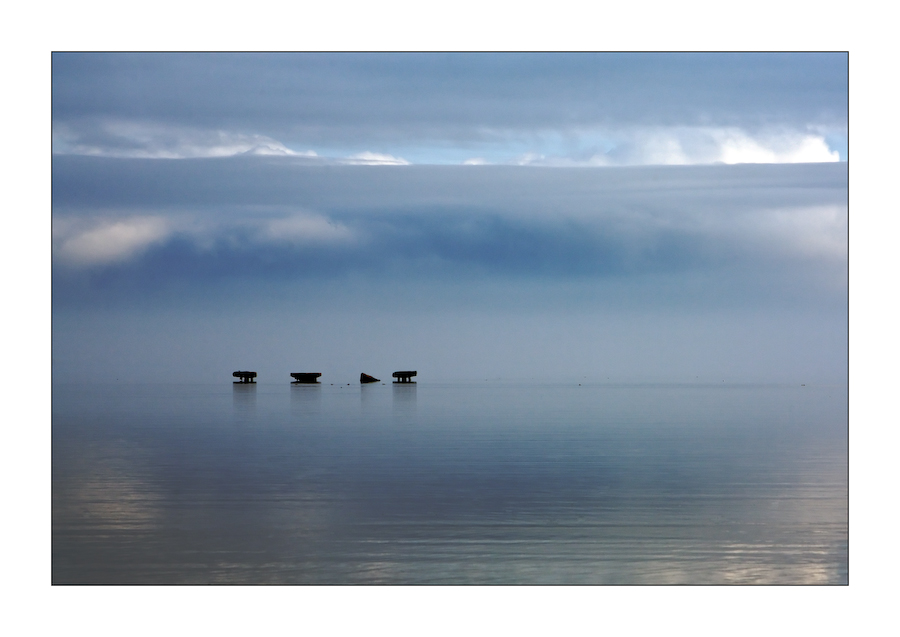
x: 736, y: 147
x: 305, y: 229
x: 85, y: 243
x: 670, y: 146
x: 106, y: 241
x: 702, y: 145
x: 152, y: 141
x: 373, y: 159
x: 674, y: 145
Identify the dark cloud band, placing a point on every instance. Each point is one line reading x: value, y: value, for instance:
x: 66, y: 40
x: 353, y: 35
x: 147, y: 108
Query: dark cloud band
x: 276, y: 220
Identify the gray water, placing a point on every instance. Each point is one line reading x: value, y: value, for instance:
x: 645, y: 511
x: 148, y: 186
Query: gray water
x: 449, y: 483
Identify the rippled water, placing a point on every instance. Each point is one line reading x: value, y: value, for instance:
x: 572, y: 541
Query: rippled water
x: 453, y: 483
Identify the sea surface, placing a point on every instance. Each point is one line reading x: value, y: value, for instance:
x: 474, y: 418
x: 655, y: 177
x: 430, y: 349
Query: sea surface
x: 449, y: 483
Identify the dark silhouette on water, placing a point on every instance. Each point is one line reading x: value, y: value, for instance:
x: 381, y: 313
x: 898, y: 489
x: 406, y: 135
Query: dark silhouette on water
x: 404, y: 377
x: 365, y: 378
x: 305, y: 377
x: 245, y: 377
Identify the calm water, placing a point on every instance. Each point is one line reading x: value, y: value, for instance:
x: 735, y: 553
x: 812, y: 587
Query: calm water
x: 455, y: 483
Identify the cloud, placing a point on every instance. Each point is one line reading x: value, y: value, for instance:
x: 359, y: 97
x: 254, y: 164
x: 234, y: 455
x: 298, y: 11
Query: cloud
x: 683, y: 146
x: 627, y: 147
x: 106, y: 241
x: 373, y: 159
x: 331, y: 99
x: 197, y: 240
x: 726, y: 233
x: 818, y: 232
x: 131, y: 139
x: 528, y: 159
x: 736, y: 147
x: 303, y: 229
x: 439, y: 108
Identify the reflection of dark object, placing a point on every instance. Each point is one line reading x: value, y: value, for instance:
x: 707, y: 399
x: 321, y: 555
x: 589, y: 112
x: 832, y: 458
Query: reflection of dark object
x: 305, y: 377
x: 246, y: 377
x: 365, y: 378
x: 403, y: 377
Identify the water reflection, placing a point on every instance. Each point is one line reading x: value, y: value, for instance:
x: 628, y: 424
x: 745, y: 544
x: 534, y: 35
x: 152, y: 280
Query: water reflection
x: 405, y: 402
x: 369, y: 394
x: 533, y: 484
x: 306, y: 399
x: 244, y: 400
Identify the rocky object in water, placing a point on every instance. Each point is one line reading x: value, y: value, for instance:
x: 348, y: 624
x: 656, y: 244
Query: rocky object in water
x: 404, y: 377
x: 305, y: 377
x: 246, y: 377
x: 365, y: 378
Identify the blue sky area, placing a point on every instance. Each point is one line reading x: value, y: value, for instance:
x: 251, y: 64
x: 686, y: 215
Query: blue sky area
x: 677, y: 217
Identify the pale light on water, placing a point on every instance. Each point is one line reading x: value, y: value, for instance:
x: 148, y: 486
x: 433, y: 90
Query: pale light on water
x: 450, y: 483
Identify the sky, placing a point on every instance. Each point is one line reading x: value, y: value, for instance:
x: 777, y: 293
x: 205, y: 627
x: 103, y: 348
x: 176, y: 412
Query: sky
x: 607, y: 217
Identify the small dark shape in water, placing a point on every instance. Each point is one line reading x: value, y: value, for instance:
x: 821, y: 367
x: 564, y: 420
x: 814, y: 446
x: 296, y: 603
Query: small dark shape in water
x: 365, y: 378
x: 404, y: 377
x: 245, y: 377
x: 305, y: 377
